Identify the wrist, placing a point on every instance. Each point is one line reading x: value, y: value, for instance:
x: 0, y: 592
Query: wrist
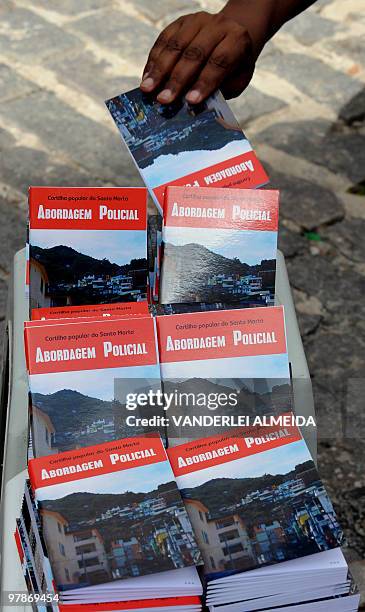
x: 254, y: 15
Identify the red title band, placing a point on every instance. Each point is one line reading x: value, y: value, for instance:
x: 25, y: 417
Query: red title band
x: 96, y: 208
x: 241, y: 172
x: 110, y: 343
x: 166, y: 602
x: 120, y: 308
x: 220, y: 334
x: 95, y: 461
x: 219, y: 449
x: 248, y: 209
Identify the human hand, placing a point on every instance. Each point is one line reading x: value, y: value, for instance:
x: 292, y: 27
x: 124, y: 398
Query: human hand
x: 197, y: 54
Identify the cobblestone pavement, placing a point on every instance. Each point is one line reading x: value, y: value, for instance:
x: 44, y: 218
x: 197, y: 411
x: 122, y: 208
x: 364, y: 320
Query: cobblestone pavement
x: 305, y: 115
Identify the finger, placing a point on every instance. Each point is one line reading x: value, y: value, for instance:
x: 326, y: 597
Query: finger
x: 151, y: 69
x: 225, y: 59
x: 191, y: 62
x: 174, y: 49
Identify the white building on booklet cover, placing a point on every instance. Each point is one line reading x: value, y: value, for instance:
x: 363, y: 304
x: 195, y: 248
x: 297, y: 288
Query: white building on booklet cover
x: 223, y: 541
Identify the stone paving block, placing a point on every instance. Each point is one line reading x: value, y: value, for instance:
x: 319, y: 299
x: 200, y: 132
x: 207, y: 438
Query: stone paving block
x: 354, y: 414
x: 25, y: 35
x: 317, y: 142
x: 313, y: 77
x: 91, y: 76
x: 353, y: 47
x: 339, y: 290
x: 12, y: 85
x: 22, y: 166
x: 69, y: 7
x: 328, y: 400
x: 12, y: 233
x: 354, y: 505
x: 308, y: 324
x: 291, y: 243
x: 357, y: 569
x: 335, y: 352
x: 252, y: 104
x: 121, y: 33
x: 309, y: 28
x: 89, y: 144
x: 307, y: 204
x: 158, y: 10
x: 348, y: 237
x: 354, y: 110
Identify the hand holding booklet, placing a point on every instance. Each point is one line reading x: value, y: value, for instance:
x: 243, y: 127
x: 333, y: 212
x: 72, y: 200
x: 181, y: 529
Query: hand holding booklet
x: 179, y: 144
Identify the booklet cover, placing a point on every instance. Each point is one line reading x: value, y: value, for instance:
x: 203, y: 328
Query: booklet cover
x: 179, y: 144
x: 112, y: 511
x: 219, y: 246
x: 254, y: 498
x: 87, y: 246
x: 221, y: 369
x: 80, y: 375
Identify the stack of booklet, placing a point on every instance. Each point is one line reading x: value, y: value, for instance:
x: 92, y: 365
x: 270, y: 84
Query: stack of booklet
x: 87, y: 251
x: 264, y: 523
x: 167, y: 470
x: 219, y: 247
x: 108, y: 525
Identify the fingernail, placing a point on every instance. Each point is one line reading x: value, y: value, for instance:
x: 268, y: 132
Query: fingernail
x: 165, y: 95
x: 193, y: 96
x: 148, y: 83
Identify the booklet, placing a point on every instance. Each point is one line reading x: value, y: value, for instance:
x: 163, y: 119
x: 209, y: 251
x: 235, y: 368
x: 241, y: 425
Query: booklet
x: 87, y: 246
x: 181, y: 581
x: 81, y: 374
x: 110, y: 512
x: 222, y: 369
x: 219, y: 246
x: 181, y: 144
x: 254, y: 498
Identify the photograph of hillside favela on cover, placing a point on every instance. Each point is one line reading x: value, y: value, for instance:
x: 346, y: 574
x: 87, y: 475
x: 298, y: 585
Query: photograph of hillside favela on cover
x: 259, y: 509
x: 218, y: 266
x: 116, y: 525
x: 73, y: 268
x: 72, y: 410
x: 163, y: 139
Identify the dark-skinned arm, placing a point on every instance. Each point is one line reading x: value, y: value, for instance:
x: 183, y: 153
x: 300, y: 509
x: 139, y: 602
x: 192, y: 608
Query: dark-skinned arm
x: 201, y: 52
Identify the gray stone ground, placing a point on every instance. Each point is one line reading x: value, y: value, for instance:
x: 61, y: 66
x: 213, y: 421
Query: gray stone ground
x: 305, y: 115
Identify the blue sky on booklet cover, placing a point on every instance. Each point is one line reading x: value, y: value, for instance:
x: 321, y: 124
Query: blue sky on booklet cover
x: 249, y: 246
x: 275, y: 461
x: 167, y: 168
x: 93, y: 383
x: 137, y: 480
x: 118, y: 246
x: 259, y: 366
